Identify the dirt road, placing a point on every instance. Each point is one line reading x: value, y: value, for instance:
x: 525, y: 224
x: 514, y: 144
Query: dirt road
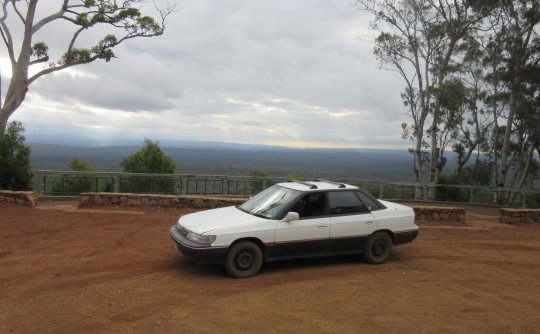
x: 64, y: 270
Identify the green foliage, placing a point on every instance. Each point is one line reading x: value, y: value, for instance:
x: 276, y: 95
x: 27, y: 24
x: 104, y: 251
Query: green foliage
x: 40, y: 50
x: 15, y: 168
x: 104, y: 49
x: 258, y: 173
x: 478, y: 174
x: 124, y: 16
x: 147, y: 25
x: 74, y: 184
x: 474, y: 175
x: 74, y: 56
x: 149, y: 159
x: 81, y: 166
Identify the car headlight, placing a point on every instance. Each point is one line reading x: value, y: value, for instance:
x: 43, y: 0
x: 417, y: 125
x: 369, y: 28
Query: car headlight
x: 200, y: 238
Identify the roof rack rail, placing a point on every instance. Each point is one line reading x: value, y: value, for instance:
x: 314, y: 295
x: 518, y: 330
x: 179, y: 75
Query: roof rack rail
x: 339, y: 184
x: 311, y: 186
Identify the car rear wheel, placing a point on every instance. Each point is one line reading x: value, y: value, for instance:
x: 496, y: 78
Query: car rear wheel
x: 378, y: 248
x: 244, y: 259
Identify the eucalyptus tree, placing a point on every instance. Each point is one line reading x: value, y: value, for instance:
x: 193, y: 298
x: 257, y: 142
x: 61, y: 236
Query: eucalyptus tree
x: 517, y: 30
x: 21, y: 22
x: 420, y: 39
x: 477, y: 120
x: 496, y: 98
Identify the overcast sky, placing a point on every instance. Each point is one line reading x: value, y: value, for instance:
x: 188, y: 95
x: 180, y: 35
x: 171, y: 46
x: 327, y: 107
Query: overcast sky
x: 296, y: 73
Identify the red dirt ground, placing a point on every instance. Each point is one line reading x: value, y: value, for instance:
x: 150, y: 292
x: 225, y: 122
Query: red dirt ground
x: 64, y: 270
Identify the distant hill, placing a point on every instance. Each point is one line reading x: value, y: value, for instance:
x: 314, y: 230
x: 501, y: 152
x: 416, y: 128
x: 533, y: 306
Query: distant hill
x: 212, y: 158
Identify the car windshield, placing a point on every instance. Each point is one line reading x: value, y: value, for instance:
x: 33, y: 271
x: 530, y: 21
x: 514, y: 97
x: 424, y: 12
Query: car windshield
x: 269, y: 203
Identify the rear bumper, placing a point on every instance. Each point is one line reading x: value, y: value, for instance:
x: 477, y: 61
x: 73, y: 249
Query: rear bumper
x: 199, y: 253
x: 404, y: 237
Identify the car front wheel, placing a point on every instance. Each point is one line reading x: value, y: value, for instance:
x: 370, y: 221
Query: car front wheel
x: 244, y: 259
x: 378, y: 248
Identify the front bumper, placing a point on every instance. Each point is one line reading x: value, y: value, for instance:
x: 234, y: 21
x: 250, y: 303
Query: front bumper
x: 199, y: 253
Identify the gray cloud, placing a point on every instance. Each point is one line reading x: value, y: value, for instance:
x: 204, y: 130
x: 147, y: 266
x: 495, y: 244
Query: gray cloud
x: 239, y: 71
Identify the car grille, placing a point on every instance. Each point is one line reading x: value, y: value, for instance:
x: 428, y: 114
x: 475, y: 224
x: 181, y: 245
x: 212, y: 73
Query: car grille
x: 183, y: 231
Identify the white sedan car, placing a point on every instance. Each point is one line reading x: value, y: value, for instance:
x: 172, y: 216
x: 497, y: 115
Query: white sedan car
x: 295, y: 219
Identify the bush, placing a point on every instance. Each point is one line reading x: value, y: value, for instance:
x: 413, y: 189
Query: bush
x: 68, y: 184
x: 149, y: 159
x: 15, y: 168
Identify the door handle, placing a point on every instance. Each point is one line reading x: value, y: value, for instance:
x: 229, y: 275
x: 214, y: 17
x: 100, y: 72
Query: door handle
x: 321, y: 226
x: 369, y: 222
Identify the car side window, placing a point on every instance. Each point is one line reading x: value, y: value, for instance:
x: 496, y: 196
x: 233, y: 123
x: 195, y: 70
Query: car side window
x: 345, y: 203
x: 370, y: 202
x: 311, y: 205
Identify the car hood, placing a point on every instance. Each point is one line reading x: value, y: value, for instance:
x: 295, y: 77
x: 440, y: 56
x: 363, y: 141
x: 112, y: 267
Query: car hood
x: 214, y: 219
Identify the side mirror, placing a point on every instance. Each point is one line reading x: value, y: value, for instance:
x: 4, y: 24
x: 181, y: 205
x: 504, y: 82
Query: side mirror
x: 291, y: 216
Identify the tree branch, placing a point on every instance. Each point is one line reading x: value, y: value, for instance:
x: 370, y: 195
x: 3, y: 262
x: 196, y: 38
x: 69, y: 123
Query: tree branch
x: 6, y: 34
x: 48, y: 19
x: 75, y: 36
x: 59, y: 68
x: 39, y: 60
x: 17, y: 10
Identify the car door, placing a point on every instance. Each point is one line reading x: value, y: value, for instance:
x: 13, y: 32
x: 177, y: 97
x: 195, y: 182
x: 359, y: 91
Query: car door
x: 351, y: 222
x: 308, y: 236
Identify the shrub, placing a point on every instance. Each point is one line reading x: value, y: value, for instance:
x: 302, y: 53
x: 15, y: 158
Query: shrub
x: 15, y: 168
x: 149, y: 159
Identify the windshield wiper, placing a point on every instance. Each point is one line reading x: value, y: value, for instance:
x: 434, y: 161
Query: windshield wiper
x: 242, y: 209
x: 251, y: 213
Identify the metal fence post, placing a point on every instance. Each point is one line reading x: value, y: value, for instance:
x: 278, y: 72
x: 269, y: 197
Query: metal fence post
x: 184, y: 189
x: 44, y: 184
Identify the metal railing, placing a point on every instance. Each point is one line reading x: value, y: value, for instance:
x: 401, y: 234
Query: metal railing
x: 66, y: 183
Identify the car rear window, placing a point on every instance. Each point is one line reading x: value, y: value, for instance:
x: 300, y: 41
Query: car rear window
x: 345, y: 202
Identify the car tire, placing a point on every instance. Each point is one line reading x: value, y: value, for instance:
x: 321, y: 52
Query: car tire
x: 378, y: 248
x: 244, y: 259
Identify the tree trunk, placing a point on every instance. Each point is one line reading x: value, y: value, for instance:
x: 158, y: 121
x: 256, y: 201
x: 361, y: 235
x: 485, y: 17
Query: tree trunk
x: 525, y: 173
x: 434, y: 163
x: 418, y: 172
x: 495, y: 135
x: 503, y: 170
x: 523, y: 179
x: 18, y: 85
x: 3, y: 122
